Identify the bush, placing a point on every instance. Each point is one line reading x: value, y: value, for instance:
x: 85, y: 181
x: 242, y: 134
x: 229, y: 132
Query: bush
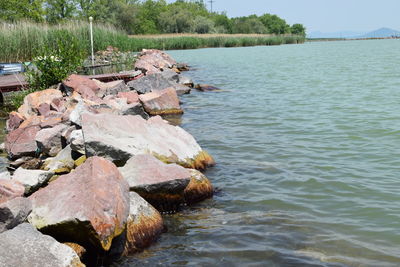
x: 56, y: 61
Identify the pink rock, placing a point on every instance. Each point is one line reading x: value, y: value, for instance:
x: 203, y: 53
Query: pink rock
x: 49, y: 140
x: 58, y: 104
x: 21, y: 142
x: 161, y: 102
x: 44, y: 109
x: 35, y: 99
x: 74, y: 81
x: 131, y: 96
x: 88, y: 206
x: 14, y: 121
x: 10, y: 189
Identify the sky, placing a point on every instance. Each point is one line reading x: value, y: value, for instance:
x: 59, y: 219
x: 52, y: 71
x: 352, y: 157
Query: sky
x: 320, y: 15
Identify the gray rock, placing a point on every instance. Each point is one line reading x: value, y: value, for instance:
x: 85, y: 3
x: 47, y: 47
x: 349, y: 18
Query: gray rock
x: 24, y: 246
x: 14, y: 212
x: 185, y: 80
x: 153, y: 82
x: 49, y: 140
x: 118, y: 138
x: 77, y: 142
x: 76, y: 115
x: 135, y: 109
x: 182, y: 89
x: 111, y: 88
x: 62, y: 163
x: 32, y: 180
x: 170, y: 75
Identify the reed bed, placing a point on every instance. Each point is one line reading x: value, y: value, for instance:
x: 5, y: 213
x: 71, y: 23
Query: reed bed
x: 23, y: 40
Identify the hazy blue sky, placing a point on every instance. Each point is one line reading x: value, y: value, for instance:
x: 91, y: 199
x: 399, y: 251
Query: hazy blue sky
x: 321, y: 15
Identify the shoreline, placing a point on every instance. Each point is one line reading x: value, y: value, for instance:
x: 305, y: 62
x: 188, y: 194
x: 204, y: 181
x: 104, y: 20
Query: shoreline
x: 103, y: 140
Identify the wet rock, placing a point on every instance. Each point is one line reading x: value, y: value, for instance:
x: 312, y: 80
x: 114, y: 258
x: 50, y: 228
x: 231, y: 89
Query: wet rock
x: 62, y: 163
x: 182, y: 66
x: 88, y: 206
x: 206, y: 87
x: 162, y: 102
x: 144, y: 225
x: 118, y: 138
x: 199, y: 188
x: 131, y: 96
x: 21, y: 142
x: 32, y: 180
x: 111, y: 88
x: 14, y: 121
x: 162, y: 185
x: 41, y: 250
x: 185, y: 80
x: 10, y: 189
x: 35, y: 99
x: 49, y: 140
x: 14, y: 212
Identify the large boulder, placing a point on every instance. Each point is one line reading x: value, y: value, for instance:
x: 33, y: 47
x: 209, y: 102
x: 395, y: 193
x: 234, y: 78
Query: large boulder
x: 32, y: 180
x: 21, y: 142
x: 49, y: 140
x: 24, y: 246
x: 14, y: 212
x: 88, y: 206
x: 144, y: 226
x: 10, y: 189
x: 118, y: 138
x: 35, y: 99
x: 162, y: 185
x: 162, y: 102
x: 155, y: 82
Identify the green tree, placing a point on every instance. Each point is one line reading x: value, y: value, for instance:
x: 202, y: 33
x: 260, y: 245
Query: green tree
x: 12, y: 10
x: 57, y: 10
x: 275, y: 24
x: 176, y: 20
x: 298, y: 29
x: 202, y: 25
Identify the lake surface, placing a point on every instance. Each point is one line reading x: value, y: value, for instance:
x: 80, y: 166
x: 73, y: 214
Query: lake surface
x: 307, y: 141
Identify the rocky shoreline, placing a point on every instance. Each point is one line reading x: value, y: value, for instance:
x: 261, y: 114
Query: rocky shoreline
x: 93, y: 166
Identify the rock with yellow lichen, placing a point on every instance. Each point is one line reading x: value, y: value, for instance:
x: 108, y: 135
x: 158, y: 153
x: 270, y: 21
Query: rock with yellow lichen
x: 88, y: 206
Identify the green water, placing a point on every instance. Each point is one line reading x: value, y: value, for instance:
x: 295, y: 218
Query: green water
x: 307, y: 140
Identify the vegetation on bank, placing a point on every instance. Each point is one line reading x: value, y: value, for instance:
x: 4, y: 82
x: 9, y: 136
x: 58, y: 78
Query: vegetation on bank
x: 24, y: 41
x: 146, y: 16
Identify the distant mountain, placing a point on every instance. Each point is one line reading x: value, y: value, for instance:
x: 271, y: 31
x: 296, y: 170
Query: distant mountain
x: 380, y: 33
x: 342, y: 34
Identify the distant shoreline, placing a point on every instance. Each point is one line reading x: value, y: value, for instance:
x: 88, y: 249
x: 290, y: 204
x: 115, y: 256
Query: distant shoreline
x: 348, y: 39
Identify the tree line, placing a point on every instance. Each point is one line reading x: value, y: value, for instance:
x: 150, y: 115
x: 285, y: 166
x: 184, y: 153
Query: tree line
x: 146, y: 16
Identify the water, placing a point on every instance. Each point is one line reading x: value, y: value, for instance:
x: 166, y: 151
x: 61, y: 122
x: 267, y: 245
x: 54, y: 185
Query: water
x: 307, y: 141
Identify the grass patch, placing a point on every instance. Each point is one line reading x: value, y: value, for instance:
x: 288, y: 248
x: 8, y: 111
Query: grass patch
x: 23, y: 40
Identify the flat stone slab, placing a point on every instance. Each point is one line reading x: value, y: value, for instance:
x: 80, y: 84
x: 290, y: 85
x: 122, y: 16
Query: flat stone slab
x: 118, y: 138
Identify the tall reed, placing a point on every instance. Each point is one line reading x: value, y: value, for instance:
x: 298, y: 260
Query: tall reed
x: 22, y: 41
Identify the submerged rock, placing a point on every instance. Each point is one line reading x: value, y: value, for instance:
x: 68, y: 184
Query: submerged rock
x: 144, y: 226
x: 88, y: 206
x: 24, y: 246
x: 118, y: 138
x: 162, y: 185
x: 163, y: 102
x: 14, y: 212
x: 206, y: 87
